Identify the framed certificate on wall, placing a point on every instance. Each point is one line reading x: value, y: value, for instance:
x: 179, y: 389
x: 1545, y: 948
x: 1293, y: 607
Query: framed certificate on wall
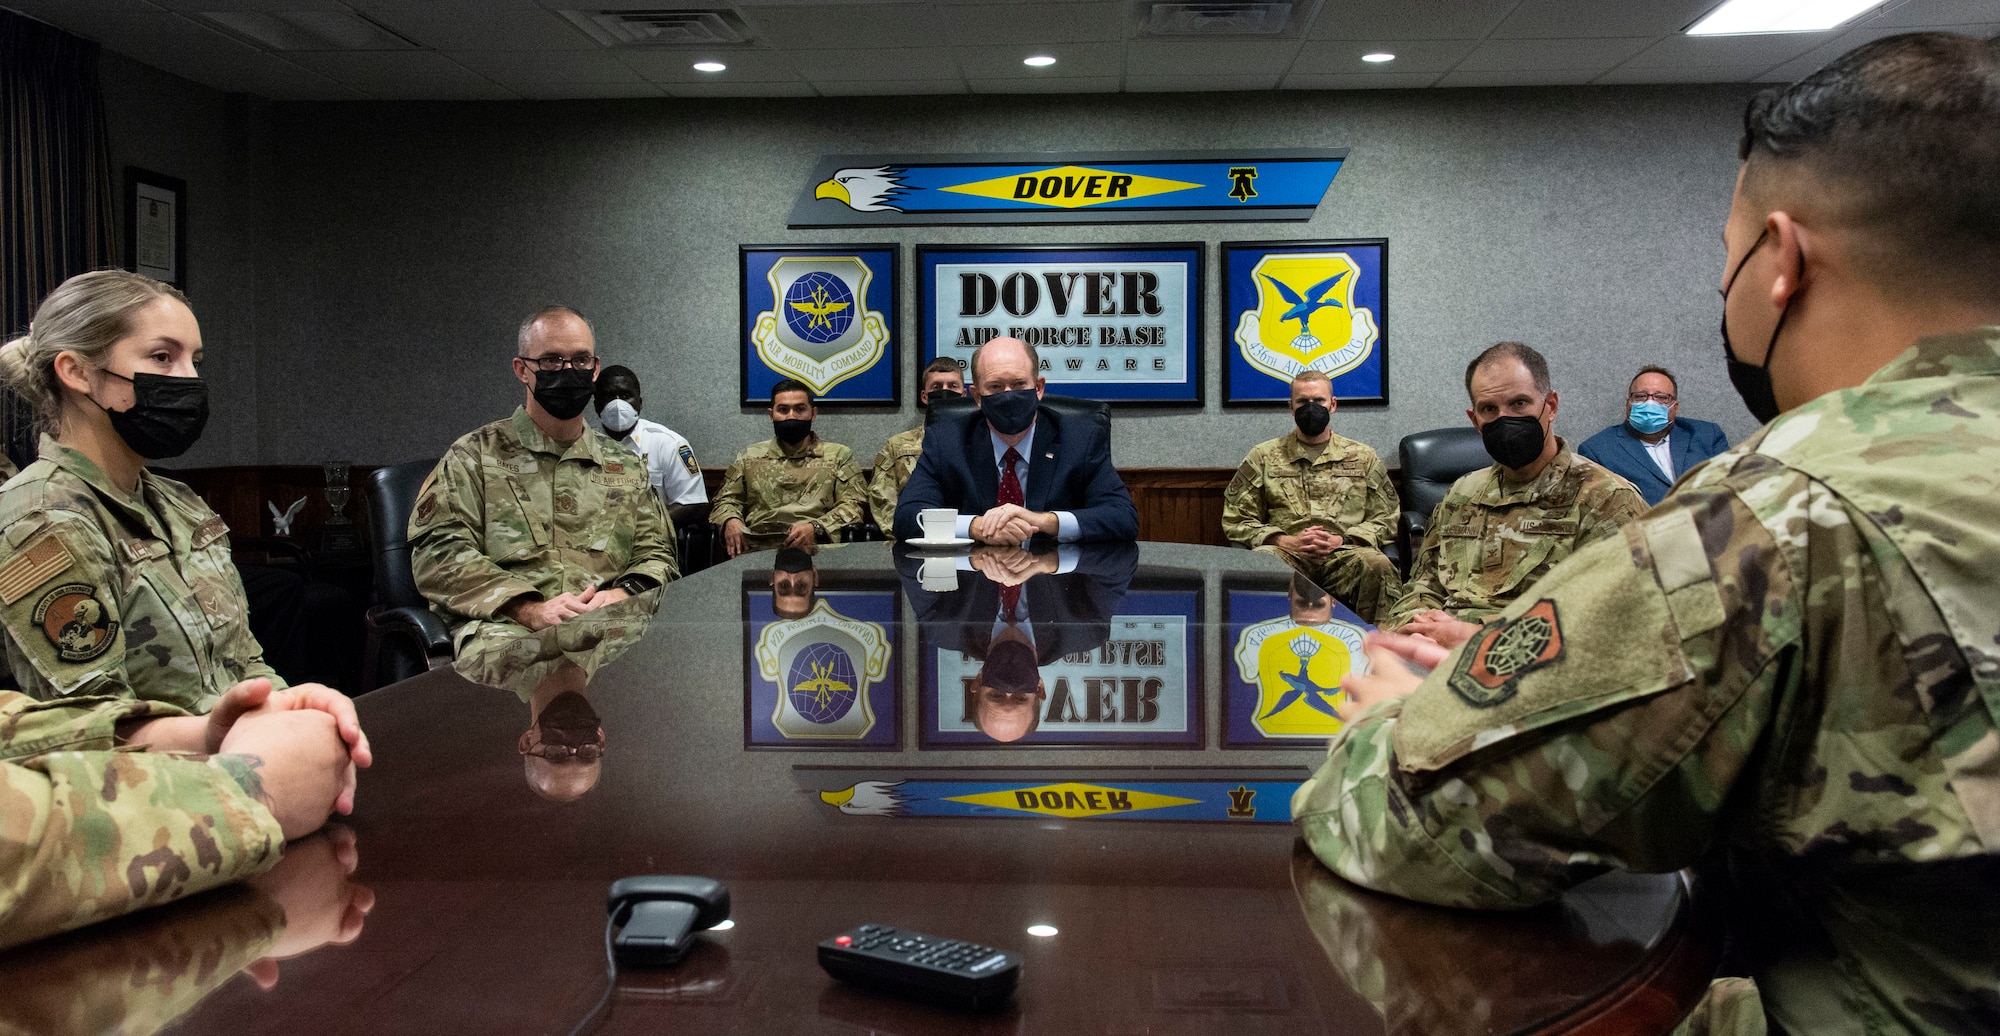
x: 824, y: 316
x: 1121, y: 323
x: 156, y: 226
x: 1292, y: 305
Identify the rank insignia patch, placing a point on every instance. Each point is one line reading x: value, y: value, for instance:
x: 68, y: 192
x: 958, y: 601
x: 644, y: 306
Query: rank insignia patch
x: 75, y: 622
x: 1491, y: 668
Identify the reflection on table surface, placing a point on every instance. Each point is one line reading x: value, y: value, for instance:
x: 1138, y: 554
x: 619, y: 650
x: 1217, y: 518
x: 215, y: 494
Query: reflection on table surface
x: 1103, y: 741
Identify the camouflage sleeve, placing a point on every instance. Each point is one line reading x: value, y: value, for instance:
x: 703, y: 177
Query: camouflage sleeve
x: 1243, y: 510
x: 653, y: 542
x: 61, y: 592
x: 850, y: 500
x: 1617, y: 503
x: 882, y: 491
x: 1422, y: 591
x: 448, y: 542
x: 732, y: 498
x: 1380, y: 511
x: 1600, y: 723
x: 30, y: 728
x: 236, y: 646
x: 91, y: 835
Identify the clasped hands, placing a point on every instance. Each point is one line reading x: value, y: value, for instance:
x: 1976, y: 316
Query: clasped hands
x: 1310, y: 542
x: 1010, y: 565
x: 1012, y: 524
x: 540, y: 615
x: 734, y: 536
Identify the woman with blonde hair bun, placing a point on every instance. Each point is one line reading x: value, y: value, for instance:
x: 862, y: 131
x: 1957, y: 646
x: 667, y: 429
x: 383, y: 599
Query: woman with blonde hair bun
x: 114, y: 580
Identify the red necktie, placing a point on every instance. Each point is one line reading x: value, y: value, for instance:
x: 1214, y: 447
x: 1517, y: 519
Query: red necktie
x: 1010, y: 483
x: 1010, y: 600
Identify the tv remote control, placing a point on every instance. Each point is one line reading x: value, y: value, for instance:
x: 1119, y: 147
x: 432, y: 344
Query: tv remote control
x: 946, y: 971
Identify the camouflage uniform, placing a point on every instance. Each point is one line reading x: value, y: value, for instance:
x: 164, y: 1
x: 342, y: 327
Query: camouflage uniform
x: 88, y: 833
x: 1282, y: 488
x: 510, y: 511
x: 1489, y: 541
x: 771, y: 487
x: 1791, y: 657
x: 892, y: 472
x: 107, y: 593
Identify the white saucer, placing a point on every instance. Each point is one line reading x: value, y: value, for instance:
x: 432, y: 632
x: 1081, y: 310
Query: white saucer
x: 955, y: 541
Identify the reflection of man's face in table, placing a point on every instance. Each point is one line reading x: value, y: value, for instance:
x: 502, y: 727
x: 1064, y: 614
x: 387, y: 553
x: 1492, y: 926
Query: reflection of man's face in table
x: 1311, y: 606
x: 563, y: 722
x: 794, y: 581
x: 1009, y: 694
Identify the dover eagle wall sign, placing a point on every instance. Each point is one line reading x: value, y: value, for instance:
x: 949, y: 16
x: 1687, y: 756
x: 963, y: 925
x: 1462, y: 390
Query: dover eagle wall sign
x: 1066, y: 187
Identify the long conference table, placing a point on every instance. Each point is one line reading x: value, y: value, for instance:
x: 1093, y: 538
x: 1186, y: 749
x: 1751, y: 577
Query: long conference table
x: 832, y: 746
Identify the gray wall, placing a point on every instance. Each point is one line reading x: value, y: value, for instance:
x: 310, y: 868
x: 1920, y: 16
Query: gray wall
x: 165, y: 124
x: 404, y: 242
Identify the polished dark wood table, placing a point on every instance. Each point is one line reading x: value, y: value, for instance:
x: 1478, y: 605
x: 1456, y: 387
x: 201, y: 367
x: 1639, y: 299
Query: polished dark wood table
x: 832, y: 749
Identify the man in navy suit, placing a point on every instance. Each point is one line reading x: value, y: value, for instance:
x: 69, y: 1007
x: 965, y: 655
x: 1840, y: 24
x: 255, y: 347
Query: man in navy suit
x: 1014, y: 468
x: 1655, y: 445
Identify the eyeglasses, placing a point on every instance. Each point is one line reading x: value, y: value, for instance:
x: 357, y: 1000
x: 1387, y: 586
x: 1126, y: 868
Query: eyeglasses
x: 1657, y: 397
x: 556, y: 363
x: 586, y: 753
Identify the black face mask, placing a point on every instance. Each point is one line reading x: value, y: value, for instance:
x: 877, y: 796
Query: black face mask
x: 1010, y: 413
x: 563, y: 393
x: 166, y: 416
x: 1752, y: 382
x: 792, y: 432
x: 936, y: 394
x: 1311, y: 419
x: 1514, y: 441
x: 792, y: 560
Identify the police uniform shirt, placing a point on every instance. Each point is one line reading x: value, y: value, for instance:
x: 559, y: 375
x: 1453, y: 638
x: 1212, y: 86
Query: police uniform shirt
x: 670, y: 462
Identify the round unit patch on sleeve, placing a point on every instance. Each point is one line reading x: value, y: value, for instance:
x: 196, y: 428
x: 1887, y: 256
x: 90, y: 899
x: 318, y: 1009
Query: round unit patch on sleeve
x: 77, y: 624
x: 1489, y: 671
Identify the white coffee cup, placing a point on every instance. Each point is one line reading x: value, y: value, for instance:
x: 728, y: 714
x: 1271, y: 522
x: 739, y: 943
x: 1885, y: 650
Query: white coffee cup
x: 939, y: 523
x: 939, y: 575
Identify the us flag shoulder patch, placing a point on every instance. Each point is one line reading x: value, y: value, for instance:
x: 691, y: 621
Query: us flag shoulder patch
x: 44, y: 560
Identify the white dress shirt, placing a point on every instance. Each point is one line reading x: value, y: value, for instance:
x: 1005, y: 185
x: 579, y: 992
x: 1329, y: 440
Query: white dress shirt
x: 1067, y: 529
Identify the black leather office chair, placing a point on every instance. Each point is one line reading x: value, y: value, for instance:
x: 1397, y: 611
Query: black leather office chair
x: 1432, y: 460
x: 694, y: 542
x: 404, y: 638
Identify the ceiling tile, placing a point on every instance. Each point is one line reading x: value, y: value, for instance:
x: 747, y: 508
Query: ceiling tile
x: 1072, y: 59
x: 1343, y: 57
x: 1519, y: 77
x: 1939, y: 14
x: 1226, y: 57
x: 554, y: 66
x: 1359, y: 81
x: 1048, y: 85
x: 795, y: 88
x: 879, y: 87
x: 1628, y: 74
x: 1409, y: 19
x: 1682, y: 51
x: 456, y: 26
x: 1811, y: 61
x: 1034, y: 24
x: 846, y: 25
x: 1519, y: 55
x: 1562, y: 19
x: 585, y: 91
x: 405, y: 74
x: 879, y: 66
x: 677, y: 66
x: 1200, y: 84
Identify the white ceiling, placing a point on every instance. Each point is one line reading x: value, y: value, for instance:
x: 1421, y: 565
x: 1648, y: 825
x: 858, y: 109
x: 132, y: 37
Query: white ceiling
x: 522, y: 49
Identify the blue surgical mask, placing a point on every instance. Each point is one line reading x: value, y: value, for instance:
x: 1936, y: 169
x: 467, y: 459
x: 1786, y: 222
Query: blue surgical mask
x: 1648, y: 417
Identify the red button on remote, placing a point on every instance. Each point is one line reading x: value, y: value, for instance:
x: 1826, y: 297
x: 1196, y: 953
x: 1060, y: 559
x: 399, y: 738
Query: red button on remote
x: 843, y: 940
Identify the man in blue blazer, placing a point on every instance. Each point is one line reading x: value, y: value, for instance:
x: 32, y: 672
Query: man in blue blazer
x: 1015, y: 468
x: 1655, y: 445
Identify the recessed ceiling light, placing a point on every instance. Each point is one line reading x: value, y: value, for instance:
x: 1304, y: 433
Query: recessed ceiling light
x: 1038, y: 61
x: 1378, y: 57
x: 709, y: 66
x: 1745, y: 17
x: 1043, y: 930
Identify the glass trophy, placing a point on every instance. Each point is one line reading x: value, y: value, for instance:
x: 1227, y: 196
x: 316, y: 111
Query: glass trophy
x: 340, y: 535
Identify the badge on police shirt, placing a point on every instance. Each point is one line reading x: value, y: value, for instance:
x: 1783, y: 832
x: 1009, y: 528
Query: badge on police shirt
x: 1490, y: 670
x: 687, y: 460
x: 76, y: 623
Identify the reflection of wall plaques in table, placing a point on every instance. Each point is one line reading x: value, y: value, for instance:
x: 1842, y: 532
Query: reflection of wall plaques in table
x: 1281, y: 675
x: 1238, y: 797
x: 1137, y: 682
x: 825, y: 679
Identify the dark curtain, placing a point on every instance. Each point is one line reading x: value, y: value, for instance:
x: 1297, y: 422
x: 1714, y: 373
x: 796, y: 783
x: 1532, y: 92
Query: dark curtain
x: 55, y: 181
